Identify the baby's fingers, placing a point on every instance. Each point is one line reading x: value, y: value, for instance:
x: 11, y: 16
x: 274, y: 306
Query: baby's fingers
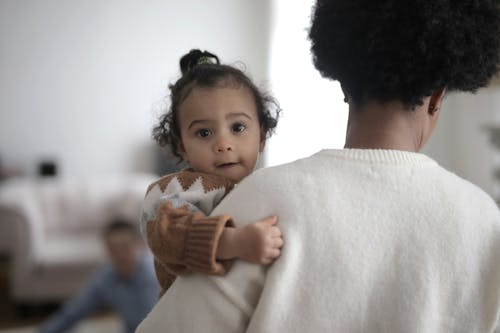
x: 273, y: 253
x: 275, y: 232
x: 278, y: 242
x: 271, y: 220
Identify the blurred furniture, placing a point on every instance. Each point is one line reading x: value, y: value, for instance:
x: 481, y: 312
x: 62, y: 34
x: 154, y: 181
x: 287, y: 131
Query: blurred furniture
x: 51, y: 230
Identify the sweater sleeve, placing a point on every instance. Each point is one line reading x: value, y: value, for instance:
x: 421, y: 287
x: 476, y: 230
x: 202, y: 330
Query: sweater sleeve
x: 181, y: 237
x: 183, y: 241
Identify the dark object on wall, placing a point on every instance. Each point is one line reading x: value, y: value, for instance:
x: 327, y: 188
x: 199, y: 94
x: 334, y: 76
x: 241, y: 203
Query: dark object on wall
x: 47, y: 169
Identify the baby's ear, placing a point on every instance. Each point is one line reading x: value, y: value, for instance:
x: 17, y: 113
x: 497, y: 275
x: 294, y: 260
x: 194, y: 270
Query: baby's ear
x: 181, y: 151
x: 263, y: 138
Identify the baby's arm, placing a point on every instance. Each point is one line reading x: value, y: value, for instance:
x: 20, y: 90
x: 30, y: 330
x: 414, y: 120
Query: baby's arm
x: 184, y: 241
x: 259, y: 242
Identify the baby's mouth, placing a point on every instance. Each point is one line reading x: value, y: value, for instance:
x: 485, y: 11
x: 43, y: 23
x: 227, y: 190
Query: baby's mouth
x: 227, y: 165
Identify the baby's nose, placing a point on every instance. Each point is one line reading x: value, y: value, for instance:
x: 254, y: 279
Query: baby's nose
x: 223, y: 146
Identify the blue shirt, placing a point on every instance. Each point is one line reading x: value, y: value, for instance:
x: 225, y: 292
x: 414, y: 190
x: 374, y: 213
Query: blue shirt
x: 131, y: 298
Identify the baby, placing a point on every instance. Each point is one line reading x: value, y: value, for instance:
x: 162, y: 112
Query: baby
x: 217, y: 123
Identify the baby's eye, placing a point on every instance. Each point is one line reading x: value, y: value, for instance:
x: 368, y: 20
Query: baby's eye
x: 238, y: 127
x: 203, y: 133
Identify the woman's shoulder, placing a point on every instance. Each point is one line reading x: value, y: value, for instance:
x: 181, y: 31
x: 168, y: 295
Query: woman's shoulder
x: 464, y: 194
x: 294, y: 169
x: 273, y: 173
x: 277, y: 178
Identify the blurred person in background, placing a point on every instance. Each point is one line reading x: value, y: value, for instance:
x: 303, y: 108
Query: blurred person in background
x: 126, y: 284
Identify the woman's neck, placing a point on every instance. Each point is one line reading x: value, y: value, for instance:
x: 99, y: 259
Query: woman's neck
x: 384, y: 126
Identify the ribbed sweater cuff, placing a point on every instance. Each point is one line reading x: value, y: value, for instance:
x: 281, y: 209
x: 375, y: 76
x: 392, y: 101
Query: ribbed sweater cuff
x: 201, y: 245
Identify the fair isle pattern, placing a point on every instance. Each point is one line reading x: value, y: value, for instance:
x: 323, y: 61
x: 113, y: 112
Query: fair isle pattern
x: 196, y: 194
x: 186, y: 179
x: 196, y: 190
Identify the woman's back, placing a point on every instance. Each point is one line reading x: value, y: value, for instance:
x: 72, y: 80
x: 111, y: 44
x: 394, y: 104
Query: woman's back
x: 376, y: 241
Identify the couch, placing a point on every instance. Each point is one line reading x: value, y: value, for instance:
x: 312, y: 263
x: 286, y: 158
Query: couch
x: 50, y: 229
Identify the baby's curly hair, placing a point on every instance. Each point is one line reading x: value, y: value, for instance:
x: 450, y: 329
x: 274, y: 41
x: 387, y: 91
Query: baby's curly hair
x: 203, y: 69
x: 403, y: 50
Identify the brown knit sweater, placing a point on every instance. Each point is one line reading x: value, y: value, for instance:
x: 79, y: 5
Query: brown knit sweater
x: 178, y: 230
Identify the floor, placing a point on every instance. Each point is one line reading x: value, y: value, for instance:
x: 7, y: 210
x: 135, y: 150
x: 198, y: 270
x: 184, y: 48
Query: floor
x: 107, y: 324
x: 26, y: 318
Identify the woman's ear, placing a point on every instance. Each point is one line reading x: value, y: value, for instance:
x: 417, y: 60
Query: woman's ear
x: 434, y: 106
x: 436, y: 100
x: 430, y: 112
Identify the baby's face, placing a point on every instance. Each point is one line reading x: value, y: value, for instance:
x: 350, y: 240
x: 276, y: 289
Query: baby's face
x: 220, y: 131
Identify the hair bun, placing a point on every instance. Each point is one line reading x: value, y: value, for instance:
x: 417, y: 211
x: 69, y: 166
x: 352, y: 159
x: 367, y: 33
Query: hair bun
x: 197, y: 57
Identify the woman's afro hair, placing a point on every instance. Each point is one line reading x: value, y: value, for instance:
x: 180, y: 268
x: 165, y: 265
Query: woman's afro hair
x: 402, y: 50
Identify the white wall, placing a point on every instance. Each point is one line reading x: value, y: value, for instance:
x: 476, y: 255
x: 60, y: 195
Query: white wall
x: 83, y: 81
x: 314, y: 114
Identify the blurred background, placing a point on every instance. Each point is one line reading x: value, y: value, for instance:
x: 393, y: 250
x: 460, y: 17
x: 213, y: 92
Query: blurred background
x: 82, y: 82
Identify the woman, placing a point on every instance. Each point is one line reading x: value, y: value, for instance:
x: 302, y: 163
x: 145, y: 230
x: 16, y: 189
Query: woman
x: 378, y: 237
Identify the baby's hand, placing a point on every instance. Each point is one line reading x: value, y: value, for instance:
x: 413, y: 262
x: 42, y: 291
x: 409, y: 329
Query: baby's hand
x: 260, y: 242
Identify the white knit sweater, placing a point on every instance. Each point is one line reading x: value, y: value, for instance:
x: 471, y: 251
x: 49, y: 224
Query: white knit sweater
x: 375, y: 241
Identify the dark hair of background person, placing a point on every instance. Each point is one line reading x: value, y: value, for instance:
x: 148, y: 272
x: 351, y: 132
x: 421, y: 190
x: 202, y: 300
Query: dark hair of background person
x: 203, y: 69
x: 119, y: 224
x: 403, y: 50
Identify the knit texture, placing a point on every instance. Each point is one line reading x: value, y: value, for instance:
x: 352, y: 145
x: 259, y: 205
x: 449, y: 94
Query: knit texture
x: 375, y: 241
x: 174, y: 222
